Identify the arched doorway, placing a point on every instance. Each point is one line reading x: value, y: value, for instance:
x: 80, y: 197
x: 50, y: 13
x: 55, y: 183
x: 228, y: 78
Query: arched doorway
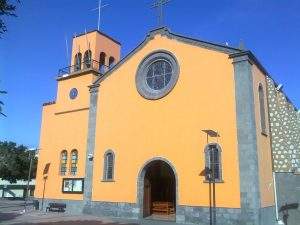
x: 158, y: 190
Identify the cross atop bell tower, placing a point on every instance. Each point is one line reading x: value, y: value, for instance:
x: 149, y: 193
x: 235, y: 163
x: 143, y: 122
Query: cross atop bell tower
x: 159, y: 5
x: 99, y: 8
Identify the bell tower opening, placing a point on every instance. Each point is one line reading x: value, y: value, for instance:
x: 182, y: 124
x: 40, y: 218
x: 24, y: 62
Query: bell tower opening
x: 85, y: 67
x: 92, y: 50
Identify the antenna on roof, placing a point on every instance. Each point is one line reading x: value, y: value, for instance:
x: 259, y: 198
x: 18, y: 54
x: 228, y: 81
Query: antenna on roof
x: 87, y: 45
x: 100, y: 6
x: 67, y: 50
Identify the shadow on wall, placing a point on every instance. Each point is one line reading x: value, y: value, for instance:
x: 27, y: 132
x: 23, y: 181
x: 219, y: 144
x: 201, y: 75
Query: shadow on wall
x: 285, y: 211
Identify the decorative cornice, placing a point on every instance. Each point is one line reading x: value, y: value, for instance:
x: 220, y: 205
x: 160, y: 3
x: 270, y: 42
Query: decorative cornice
x: 49, y: 103
x: 79, y: 73
x: 251, y: 58
x: 248, y: 55
x: 94, y: 88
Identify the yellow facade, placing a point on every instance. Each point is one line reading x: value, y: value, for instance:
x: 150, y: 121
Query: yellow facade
x: 137, y: 129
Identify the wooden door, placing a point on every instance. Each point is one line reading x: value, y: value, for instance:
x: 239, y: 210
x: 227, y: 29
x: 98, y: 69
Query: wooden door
x: 147, y: 198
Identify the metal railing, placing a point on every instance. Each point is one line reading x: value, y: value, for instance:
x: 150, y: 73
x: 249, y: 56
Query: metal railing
x: 86, y: 65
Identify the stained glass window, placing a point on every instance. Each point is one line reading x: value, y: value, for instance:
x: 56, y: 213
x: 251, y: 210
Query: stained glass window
x: 159, y: 74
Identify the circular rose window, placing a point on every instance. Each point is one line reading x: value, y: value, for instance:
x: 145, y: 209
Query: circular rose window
x: 157, y: 75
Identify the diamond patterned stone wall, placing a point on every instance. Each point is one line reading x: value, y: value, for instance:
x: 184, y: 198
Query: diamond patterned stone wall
x: 285, y: 130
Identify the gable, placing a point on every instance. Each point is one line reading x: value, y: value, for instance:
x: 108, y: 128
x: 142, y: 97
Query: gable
x: 139, y: 128
x: 165, y: 32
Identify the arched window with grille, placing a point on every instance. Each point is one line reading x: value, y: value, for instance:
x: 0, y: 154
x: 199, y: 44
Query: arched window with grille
x: 109, y: 160
x: 213, y: 162
x: 262, y: 109
x: 111, y: 62
x: 77, y: 61
x: 102, y: 62
x: 87, y: 59
x: 63, y: 162
x: 74, y: 162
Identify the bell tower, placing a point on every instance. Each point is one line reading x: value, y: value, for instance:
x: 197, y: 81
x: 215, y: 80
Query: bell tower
x: 94, y: 50
x: 93, y: 54
x: 64, y: 125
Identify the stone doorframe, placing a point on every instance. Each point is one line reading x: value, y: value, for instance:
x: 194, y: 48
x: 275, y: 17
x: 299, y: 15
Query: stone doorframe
x: 140, y: 184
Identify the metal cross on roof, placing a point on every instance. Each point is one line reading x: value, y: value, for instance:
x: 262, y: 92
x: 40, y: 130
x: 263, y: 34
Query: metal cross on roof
x: 100, y: 6
x: 159, y: 5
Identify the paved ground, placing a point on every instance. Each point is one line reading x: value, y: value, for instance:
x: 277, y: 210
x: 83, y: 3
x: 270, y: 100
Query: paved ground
x: 12, y: 213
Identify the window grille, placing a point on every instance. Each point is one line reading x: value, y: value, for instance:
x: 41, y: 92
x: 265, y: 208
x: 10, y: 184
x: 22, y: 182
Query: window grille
x: 109, y: 166
x: 213, y: 162
x: 74, y: 161
x: 63, y: 162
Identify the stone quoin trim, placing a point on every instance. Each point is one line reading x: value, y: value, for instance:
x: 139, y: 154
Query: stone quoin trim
x: 88, y: 180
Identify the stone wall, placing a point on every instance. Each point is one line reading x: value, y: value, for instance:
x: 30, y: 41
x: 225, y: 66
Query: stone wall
x: 285, y: 134
x: 184, y: 214
x: 285, y: 130
x: 288, y: 190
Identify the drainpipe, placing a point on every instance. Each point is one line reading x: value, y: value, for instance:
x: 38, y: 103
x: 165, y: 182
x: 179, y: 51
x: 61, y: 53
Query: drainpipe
x: 279, y: 222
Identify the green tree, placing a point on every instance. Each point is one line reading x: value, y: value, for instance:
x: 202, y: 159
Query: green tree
x: 6, y: 9
x: 14, y: 162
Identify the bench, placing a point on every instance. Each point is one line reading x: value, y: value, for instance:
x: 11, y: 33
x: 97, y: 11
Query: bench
x: 59, y: 207
x: 166, y: 208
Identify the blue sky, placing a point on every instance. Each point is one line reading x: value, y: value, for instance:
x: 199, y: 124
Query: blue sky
x: 34, y: 48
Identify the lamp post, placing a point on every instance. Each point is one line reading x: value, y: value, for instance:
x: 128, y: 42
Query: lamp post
x: 210, y: 172
x: 31, y: 156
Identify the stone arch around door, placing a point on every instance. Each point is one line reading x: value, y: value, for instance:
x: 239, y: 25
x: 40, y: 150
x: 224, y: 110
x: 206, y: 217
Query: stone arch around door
x: 141, y: 179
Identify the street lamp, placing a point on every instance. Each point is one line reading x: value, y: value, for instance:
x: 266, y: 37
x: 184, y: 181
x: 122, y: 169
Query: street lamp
x: 31, y: 156
x: 210, y: 174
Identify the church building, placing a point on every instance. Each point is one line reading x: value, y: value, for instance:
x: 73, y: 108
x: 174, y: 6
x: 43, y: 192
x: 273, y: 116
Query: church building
x: 178, y: 129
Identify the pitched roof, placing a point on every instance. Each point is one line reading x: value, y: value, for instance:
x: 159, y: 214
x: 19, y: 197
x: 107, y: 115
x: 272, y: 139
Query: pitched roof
x: 164, y: 31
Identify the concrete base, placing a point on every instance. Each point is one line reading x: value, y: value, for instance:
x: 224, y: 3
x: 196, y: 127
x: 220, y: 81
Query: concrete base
x: 184, y: 214
x: 267, y: 216
x: 201, y: 215
x: 72, y: 206
x: 288, y: 192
